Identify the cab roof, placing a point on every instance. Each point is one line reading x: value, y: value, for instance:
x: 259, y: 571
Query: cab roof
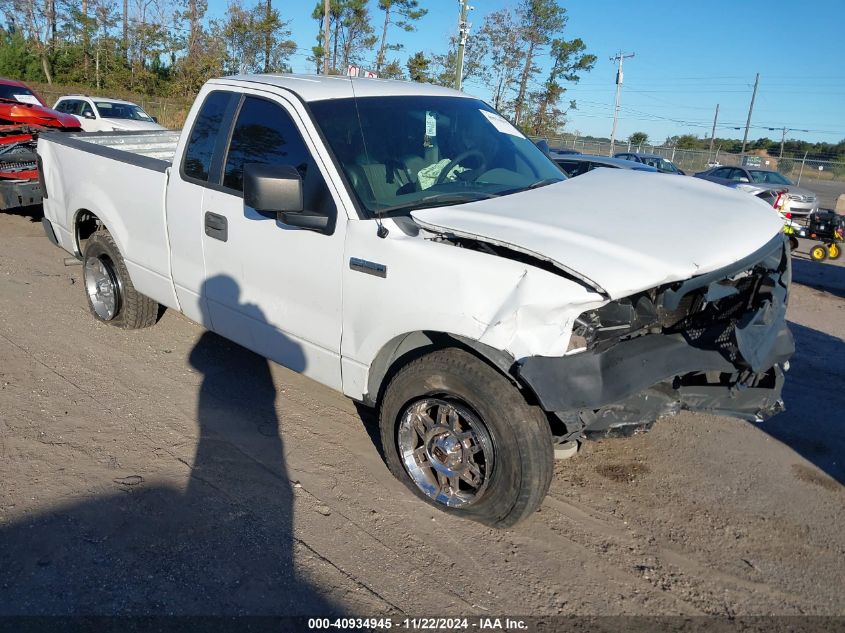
x: 323, y: 87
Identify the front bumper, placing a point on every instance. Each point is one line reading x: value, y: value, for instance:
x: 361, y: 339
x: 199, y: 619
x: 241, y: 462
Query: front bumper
x: 803, y: 208
x: 721, y: 359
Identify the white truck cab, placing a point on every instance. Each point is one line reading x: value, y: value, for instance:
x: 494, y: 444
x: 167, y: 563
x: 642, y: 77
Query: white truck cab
x: 405, y: 244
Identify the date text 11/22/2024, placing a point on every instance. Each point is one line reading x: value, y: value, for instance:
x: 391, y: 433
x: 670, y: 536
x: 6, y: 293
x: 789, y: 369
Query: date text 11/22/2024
x: 419, y: 624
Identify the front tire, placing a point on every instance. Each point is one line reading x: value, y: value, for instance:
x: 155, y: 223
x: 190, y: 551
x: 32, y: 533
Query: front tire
x: 111, y: 296
x: 461, y: 436
x: 833, y: 251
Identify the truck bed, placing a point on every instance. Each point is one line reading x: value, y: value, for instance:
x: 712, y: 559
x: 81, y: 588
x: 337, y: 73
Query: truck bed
x: 160, y: 144
x: 121, y: 178
x: 153, y: 150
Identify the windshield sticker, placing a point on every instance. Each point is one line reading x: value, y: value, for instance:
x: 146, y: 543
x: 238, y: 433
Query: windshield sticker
x: 27, y: 99
x: 430, y: 124
x: 500, y: 123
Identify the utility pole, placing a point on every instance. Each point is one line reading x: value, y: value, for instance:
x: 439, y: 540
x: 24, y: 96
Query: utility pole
x: 750, y: 110
x: 326, y: 9
x: 713, y: 132
x: 619, y: 57
x: 463, y: 29
x: 784, y: 131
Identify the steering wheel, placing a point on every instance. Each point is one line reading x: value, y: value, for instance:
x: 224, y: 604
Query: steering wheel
x: 441, y: 178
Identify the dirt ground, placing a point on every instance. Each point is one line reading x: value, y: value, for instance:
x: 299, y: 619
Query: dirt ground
x: 167, y: 471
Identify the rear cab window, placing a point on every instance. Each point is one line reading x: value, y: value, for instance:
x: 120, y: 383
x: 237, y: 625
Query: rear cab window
x: 205, y: 134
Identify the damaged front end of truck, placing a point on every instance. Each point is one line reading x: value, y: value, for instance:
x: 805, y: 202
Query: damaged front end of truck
x: 717, y: 343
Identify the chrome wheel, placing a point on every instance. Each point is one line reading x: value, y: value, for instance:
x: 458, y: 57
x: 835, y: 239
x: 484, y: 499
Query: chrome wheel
x: 103, y: 287
x: 446, y: 450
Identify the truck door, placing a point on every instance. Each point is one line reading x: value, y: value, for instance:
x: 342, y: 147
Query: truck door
x: 271, y: 287
x: 186, y: 187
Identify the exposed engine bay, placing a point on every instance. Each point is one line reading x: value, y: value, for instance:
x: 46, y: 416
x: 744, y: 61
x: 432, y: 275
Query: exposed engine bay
x: 717, y: 342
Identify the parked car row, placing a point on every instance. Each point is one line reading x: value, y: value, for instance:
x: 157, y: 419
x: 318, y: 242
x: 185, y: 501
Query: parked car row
x: 653, y: 160
x: 754, y: 180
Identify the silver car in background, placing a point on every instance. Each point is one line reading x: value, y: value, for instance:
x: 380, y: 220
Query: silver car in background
x: 801, y: 201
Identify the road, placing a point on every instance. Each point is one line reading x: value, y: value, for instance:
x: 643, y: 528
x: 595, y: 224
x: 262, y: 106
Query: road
x: 827, y: 190
x: 167, y: 471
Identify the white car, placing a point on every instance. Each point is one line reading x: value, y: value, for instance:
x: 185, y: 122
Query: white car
x: 406, y: 245
x: 99, y: 114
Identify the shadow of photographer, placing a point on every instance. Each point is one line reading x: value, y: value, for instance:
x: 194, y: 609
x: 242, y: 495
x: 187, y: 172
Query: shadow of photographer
x: 223, y: 546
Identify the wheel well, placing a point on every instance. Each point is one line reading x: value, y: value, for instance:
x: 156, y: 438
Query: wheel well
x: 405, y: 348
x: 408, y: 347
x: 85, y: 225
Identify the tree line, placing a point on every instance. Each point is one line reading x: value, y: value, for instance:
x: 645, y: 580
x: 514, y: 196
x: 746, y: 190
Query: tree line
x: 791, y: 147
x: 169, y: 48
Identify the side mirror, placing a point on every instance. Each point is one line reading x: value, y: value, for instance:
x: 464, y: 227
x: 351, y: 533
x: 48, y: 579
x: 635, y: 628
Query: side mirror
x: 89, y: 115
x: 543, y: 145
x: 743, y: 179
x: 277, y: 189
x: 154, y: 118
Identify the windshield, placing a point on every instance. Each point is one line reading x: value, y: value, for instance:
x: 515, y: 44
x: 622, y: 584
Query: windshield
x: 110, y: 110
x: 407, y: 152
x: 768, y: 176
x: 19, y: 93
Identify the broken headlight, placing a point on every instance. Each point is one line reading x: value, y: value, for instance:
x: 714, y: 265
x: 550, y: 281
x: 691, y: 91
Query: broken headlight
x: 624, y: 318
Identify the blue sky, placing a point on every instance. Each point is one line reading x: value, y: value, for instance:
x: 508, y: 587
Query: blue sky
x: 689, y: 57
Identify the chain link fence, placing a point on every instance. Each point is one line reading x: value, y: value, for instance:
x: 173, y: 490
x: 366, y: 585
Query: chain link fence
x: 793, y: 167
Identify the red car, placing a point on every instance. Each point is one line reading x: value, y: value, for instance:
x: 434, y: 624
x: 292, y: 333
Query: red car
x: 23, y: 114
x: 21, y: 105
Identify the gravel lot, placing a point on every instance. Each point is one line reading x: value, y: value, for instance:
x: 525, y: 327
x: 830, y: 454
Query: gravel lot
x: 167, y: 471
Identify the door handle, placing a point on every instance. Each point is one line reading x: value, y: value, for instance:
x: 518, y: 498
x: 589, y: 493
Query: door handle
x: 216, y: 226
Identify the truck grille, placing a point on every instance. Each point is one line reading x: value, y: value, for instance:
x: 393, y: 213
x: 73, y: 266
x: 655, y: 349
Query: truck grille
x: 711, y: 324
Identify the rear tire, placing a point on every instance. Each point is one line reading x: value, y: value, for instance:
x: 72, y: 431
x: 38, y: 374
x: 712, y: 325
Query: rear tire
x: 834, y: 251
x: 111, y: 296
x: 461, y: 437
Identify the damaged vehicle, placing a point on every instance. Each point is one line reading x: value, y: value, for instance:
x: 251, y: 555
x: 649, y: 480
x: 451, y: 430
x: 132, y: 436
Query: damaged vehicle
x: 23, y: 115
x: 404, y: 244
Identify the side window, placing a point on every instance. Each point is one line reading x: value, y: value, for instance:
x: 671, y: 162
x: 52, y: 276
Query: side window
x: 568, y: 167
x: 737, y: 175
x: 61, y: 106
x: 722, y: 173
x: 264, y: 133
x: 86, y: 109
x: 204, y: 134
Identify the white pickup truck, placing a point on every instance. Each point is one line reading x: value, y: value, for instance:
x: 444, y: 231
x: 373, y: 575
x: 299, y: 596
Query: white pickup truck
x: 404, y: 244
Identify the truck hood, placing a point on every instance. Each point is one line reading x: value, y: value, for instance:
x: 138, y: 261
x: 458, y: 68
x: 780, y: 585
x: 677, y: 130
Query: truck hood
x: 619, y: 231
x: 31, y: 114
